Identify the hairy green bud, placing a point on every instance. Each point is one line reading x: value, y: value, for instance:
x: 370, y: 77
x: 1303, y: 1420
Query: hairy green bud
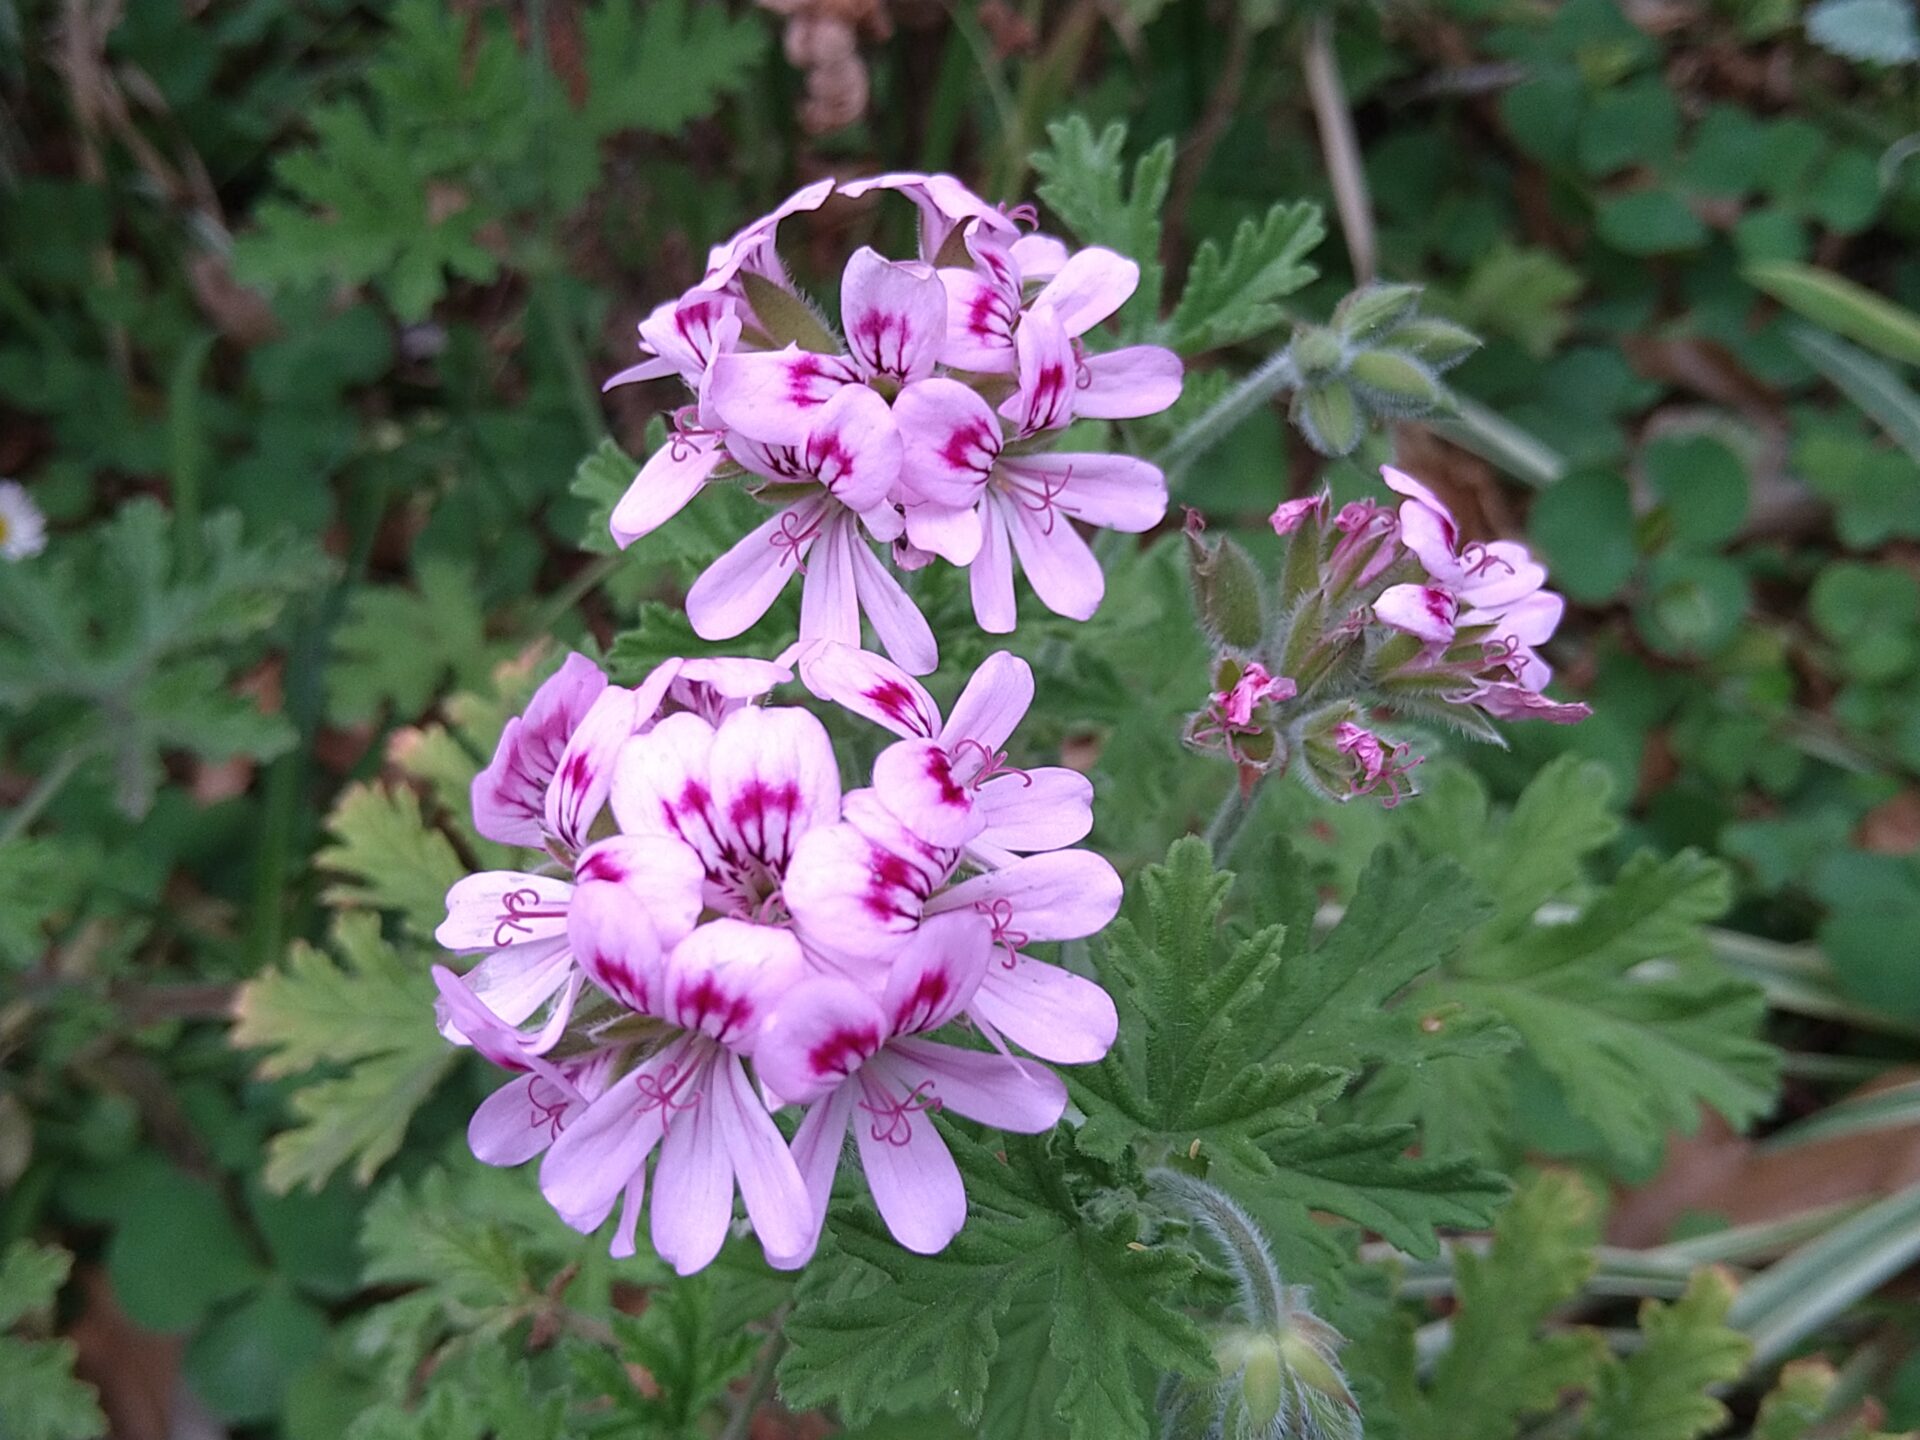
x: 1226, y: 591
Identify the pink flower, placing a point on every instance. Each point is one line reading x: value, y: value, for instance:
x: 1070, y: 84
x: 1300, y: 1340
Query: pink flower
x: 1426, y: 612
x: 1234, y: 708
x: 1290, y: 515
x: 1482, y: 576
x: 1377, y: 763
x: 948, y: 782
x: 856, y: 1059
x: 891, y: 437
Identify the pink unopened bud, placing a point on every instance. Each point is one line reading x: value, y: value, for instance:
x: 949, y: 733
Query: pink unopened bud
x: 1292, y: 514
x: 1234, y: 706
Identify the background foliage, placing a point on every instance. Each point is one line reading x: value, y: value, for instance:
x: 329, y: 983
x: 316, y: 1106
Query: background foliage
x: 1580, y: 1088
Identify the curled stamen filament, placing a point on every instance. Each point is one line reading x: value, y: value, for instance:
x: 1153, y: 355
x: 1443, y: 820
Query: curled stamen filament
x: 521, y: 906
x: 687, y: 433
x: 793, y: 535
x: 1479, y: 559
x: 1047, y: 501
x: 662, y: 1089
x: 992, y: 763
x: 999, y: 911
x: 552, y: 1113
x: 896, y: 1113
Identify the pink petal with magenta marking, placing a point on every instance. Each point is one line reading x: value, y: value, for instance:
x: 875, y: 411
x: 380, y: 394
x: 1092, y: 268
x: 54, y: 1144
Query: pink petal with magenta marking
x: 868, y: 685
x: 951, y: 441
x: 774, y: 396
x: 894, y: 314
x: 671, y: 477
x: 1092, y: 284
x: 738, y: 588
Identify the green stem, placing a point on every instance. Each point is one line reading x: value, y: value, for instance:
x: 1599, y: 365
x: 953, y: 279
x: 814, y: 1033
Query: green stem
x: 562, y: 601
x: 1220, y: 419
x: 740, y: 1423
x: 1227, y: 821
x: 44, y: 789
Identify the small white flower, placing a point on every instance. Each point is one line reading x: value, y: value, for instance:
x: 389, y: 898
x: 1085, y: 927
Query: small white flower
x: 23, y: 529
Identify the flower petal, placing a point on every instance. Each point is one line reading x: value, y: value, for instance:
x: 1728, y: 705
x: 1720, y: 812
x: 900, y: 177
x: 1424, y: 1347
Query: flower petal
x: 951, y: 532
x: 1046, y: 1010
x: 915, y: 780
x: 1424, y: 611
x: 990, y: 577
x: 503, y: 909
x: 1116, y: 492
x: 751, y: 247
x: 771, y: 1185
x: 1059, y: 895
x: 902, y: 630
x: 516, y: 1122
x: 693, y: 1179
x: 726, y: 976
x: 774, y: 395
x: 660, y: 785
x: 909, y: 1169
x: 585, y: 773
x: 818, y: 1033
x: 1058, y: 563
x: 829, y: 603
x: 1043, y: 809
x: 1044, y: 399
x: 509, y: 796
x: 998, y: 1090
x: 817, y: 1146
x: 1092, y: 284
x: 637, y: 895
x: 981, y: 314
x: 603, y: 1148
x: 894, y: 314
x: 1123, y: 384
x: 934, y: 978
x: 950, y: 439
x: 868, y: 685
x: 854, y: 449
x: 737, y: 589
x: 671, y: 477
x: 995, y: 701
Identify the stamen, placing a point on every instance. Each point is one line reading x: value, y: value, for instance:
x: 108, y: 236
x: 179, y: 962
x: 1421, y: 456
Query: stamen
x: 687, y: 430
x: 1048, y: 498
x: 1478, y: 559
x: 521, y: 906
x: 793, y: 535
x: 661, y: 1089
x: 1000, y: 912
x: 992, y: 763
x: 899, y: 1128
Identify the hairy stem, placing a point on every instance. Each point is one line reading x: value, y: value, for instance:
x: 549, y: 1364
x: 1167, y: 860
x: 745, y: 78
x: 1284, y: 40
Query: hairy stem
x: 1262, y: 1294
x: 1220, y: 419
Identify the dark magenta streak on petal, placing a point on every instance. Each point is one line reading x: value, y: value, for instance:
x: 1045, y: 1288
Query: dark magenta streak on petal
x: 940, y: 771
x: 890, y: 875
x: 601, y: 866
x: 705, y: 1000
x: 967, y: 445
x: 894, y: 698
x: 842, y: 1052
x: 757, y: 798
x: 925, y: 1000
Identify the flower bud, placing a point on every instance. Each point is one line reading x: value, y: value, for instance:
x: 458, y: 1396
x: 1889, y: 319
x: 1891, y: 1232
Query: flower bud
x: 1330, y: 416
x: 1317, y: 352
x: 1226, y: 590
x: 1371, y: 312
x: 1395, y: 384
x: 1440, y: 343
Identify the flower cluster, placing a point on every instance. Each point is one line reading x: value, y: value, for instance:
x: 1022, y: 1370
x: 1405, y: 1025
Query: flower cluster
x: 923, y: 424
x: 1379, y: 607
x: 719, y: 931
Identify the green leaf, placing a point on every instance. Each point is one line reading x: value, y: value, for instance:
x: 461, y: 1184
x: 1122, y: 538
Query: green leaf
x: 1662, y: 1390
x: 1702, y: 484
x: 30, y: 1276
x: 1649, y: 222
x: 1635, y: 1054
x: 242, y: 1364
x: 1872, y: 612
x: 397, y: 648
x: 658, y: 66
x: 178, y: 1252
x: 898, y: 1331
x: 1838, y: 304
x: 39, y: 1397
x: 1585, y: 525
x: 370, y: 1012
x: 1887, y: 399
x: 1694, y: 604
x: 391, y: 858
x: 1525, y: 294
x: 1229, y: 298
x: 111, y: 648
x: 1499, y: 1369
x: 1637, y: 124
x: 1206, y: 1020
x: 1083, y: 181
